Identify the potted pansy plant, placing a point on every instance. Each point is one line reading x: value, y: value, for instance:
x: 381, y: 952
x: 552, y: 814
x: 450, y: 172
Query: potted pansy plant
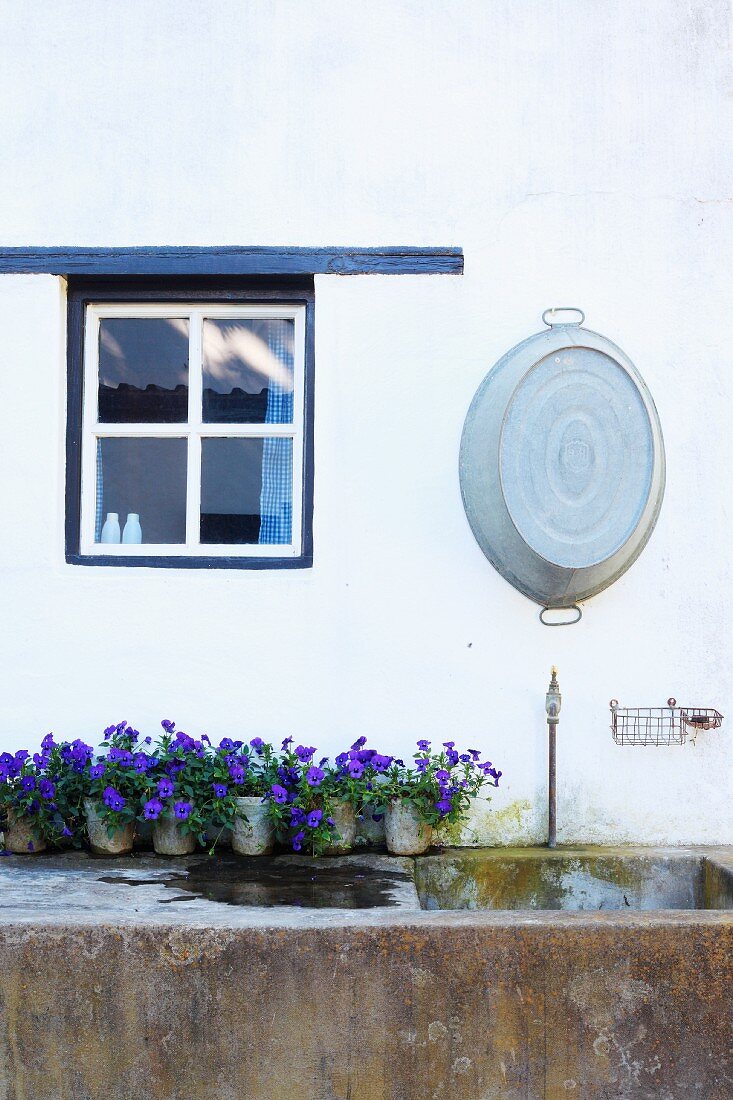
x: 193, y: 789
x: 352, y: 783
x: 116, y: 779
x: 40, y: 796
x: 250, y: 770
x: 171, y: 798
x: 439, y: 786
x: 300, y: 803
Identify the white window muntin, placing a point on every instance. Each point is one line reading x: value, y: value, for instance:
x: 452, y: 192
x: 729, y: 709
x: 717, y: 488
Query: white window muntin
x: 193, y: 431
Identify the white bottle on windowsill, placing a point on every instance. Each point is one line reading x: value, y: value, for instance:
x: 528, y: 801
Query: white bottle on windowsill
x: 133, y: 531
x: 111, y: 529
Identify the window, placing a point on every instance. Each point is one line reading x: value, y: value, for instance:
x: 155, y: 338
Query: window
x: 188, y: 439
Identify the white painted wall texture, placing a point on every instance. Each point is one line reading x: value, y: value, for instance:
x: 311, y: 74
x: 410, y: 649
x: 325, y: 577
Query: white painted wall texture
x: 580, y: 153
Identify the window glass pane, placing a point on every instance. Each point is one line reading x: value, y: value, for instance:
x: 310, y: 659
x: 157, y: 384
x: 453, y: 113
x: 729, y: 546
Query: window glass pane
x: 143, y: 370
x: 246, y: 490
x: 144, y: 478
x: 248, y: 371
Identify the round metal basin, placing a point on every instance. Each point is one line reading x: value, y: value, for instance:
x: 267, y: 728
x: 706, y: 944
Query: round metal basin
x: 562, y: 465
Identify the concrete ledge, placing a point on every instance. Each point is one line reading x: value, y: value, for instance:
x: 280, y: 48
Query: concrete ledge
x: 101, y: 1002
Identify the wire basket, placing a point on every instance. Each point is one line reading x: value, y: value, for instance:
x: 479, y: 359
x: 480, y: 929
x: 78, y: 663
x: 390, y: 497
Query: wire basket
x: 670, y: 725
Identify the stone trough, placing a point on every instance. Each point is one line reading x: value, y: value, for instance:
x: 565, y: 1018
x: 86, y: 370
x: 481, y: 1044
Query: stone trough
x: 463, y: 975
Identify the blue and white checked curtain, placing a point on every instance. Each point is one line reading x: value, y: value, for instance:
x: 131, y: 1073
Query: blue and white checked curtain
x: 99, y: 514
x: 276, y: 497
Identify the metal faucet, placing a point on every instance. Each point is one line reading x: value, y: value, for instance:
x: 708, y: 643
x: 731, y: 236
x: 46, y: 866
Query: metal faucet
x: 553, y: 702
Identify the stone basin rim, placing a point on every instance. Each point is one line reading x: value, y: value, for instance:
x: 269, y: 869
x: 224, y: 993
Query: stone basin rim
x: 54, y: 918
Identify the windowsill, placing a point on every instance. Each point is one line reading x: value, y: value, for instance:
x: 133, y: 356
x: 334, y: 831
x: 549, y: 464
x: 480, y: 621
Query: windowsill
x: 303, y: 561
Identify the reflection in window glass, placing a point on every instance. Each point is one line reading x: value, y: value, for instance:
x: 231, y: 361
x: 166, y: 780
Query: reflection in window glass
x: 147, y: 478
x: 248, y: 371
x: 247, y: 490
x: 143, y: 370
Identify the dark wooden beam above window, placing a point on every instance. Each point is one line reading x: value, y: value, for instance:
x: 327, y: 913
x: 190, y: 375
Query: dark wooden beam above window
x: 231, y: 260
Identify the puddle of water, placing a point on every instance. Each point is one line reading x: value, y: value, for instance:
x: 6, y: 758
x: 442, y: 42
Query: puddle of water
x: 269, y: 881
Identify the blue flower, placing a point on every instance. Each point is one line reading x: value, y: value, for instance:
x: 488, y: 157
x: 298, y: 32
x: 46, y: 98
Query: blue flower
x: 314, y: 777
x: 297, y: 815
x: 314, y: 818
x: 356, y: 769
x: 380, y: 763
x: 279, y: 794
x: 120, y: 756
x: 220, y: 790
x: 113, y: 799
x: 236, y: 773
x: 140, y: 762
x: 168, y: 725
x: 298, y: 841
x: 423, y: 745
x: 304, y: 754
x: 182, y: 810
x: 46, y: 788
x: 153, y: 809
x: 442, y: 776
x: 28, y: 783
x: 165, y: 787
x: 257, y: 744
x: 286, y: 742
x: 96, y: 771
x: 444, y: 806
x: 226, y: 744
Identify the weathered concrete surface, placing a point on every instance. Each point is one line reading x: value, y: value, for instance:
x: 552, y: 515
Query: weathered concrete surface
x: 380, y: 1004
x: 587, y: 878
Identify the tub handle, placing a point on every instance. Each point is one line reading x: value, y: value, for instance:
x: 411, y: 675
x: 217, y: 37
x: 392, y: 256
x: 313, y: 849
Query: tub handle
x: 561, y: 622
x: 562, y: 309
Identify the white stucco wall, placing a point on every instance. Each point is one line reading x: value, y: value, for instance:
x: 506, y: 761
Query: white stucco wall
x: 579, y: 153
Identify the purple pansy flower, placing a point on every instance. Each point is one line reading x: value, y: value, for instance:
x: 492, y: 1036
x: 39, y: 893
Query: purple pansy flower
x: 113, y: 799
x: 236, y: 773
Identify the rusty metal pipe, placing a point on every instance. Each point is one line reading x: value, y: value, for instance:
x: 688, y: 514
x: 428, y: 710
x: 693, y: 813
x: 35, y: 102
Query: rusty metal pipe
x: 553, y: 702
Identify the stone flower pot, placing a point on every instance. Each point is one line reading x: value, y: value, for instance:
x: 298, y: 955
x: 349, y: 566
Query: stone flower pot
x: 22, y: 835
x: 252, y: 833
x: 405, y: 832
x: 344, y: 817
x: 119, y: 844
x: 169, y: 839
